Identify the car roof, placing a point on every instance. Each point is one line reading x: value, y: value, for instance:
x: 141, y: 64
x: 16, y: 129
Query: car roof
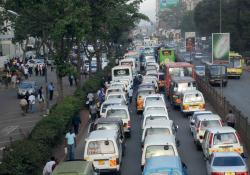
x: 153, y: 103
x: 159, y: 139
x: 208, y: 117
x: 159, y: 123
x: 145, y: 88
x: 121, y: 66
x: 113, y: 100
x: 182, y: 79
x: 102, y: 134
x: 224, y: 129
x: 117, y: 107
x: 155, y: 95
x: 112, y: 87
x: 202, y: 112
x: 192, y: 92
x: 79, y: 166
x: 162, y: 162
x: 116, y: 93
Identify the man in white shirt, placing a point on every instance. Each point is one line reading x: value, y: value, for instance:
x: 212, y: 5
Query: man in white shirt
x: 32, y: 102
x: 50, y: 165
x: 70, y: 143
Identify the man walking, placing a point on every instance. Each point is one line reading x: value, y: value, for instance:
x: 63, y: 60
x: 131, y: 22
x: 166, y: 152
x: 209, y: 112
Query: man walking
x: 23, y: 105
x: 70, y: 143
x: 32, y: 102
x: 51, y: 91
x: 93, y: 111
x: 41, y: 99
x: 230, y: 119
x: 49, y: 167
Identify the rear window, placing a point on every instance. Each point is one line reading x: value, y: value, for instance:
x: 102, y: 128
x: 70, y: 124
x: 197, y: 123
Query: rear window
x: 106, y: 126
x: 153, y: 131
x: 101, y: 147
x: 185, y: 86
x: 192, y: 98
x: 159, y: 150
x: 228, y: 161
x: 152, y: 99
x: 155, y: 118
x: 209, y: 124
x: 225, y: 138
x: 146, y: 93
x: 114, y: 96
x: 117, y: 113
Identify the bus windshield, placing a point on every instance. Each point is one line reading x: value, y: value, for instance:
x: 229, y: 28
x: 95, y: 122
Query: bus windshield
x: 121, y: 72
x: 235, y: 63
x: 217, y: 70
x: 180, y: 71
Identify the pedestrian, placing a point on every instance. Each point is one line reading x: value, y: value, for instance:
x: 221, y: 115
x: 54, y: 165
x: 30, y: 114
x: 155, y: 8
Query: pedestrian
x: 32, y: 102
x: 27, y: 99
x: 36, y: 70
x: 43, y: 70
x: 90, y: 97
x: 40, y: 68
x: 30, y: 70
x: 70, y: 143
x: 49, y: 166
x: 231, y: 119
x: 76, y: 121
x: 75, y: 79
x: 41, y: 100
x: 130, y: 94
x: 51, y: 90
x: 23, y: 105
x: 13, y: 80
x: 93, y: 111
x: 26, y: 73
x: 71, y: 80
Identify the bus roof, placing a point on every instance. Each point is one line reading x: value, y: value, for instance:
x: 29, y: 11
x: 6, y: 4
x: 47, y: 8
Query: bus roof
x: 179, y: 64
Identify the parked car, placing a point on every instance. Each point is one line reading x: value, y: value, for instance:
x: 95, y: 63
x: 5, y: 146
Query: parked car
x: 226, y: 163
x: 29, y: 87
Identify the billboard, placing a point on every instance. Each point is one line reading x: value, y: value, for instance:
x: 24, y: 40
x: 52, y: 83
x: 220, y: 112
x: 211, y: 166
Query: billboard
x: 190, y: 41
x: 168, y: 4
x: 220, y: 47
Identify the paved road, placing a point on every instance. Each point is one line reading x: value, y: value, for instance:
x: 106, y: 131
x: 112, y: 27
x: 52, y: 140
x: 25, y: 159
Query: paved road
x: 187, y: 150
x: 13, y: 125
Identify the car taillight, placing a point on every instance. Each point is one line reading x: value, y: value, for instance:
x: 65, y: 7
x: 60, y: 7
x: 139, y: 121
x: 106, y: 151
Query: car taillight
x: 241, y: 173
x: 211, y: 140
x: 217, y: 173
x: 202, y: 106
x: 186, y: 107
x: 129, y: 123
x: 117, y: 161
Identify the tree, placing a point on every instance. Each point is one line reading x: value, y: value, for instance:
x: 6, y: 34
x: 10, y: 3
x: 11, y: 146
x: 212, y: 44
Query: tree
x: 187, y: 22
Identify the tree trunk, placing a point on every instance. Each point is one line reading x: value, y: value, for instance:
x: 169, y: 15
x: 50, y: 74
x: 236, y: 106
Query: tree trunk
x: 59, y: 88
x: 25, y: 48
x: 79, y: 64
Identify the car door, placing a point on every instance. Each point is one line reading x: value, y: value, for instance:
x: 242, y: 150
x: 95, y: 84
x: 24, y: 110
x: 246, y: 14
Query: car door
x: 205, y: 144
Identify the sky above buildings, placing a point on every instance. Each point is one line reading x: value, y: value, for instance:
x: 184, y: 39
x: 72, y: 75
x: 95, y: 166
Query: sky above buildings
x: 148, y: 8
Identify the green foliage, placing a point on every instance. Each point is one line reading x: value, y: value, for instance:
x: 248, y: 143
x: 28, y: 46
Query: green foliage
x: 187, y: 22
x: 235, y: 20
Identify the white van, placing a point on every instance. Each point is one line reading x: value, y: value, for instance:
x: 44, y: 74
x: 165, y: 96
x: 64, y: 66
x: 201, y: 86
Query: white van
x: 221, y: 139
x: 158, y: 126
x: 104, y: 149
x: 114, y: 89
x: 158, y: 98
x: 122, y: 72
x: 120, y: 112
x: 158, y: 145
x: 129, y: 62
x: 121, y: 95
x: 110, y: 102
x: 148, y: 118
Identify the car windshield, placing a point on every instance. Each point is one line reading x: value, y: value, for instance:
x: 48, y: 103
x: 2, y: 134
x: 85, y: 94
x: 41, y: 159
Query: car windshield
x: 105, y: 106
x: 180, y: 71
x: 121, y: 72
x: 234, y: 63
x: 153, y: 131
x: 218, y: 70
x: 117, y: 113
x: 25, y: 85
x: 106, y: 126
x: 209, y: 124
x: 228, y: 161
x: 225, y: 138
x: 101, y: 147
x: 193, y: 98
x: 114, y: 96
x: 200, y: 68
x: 185, y: 86
x: 159, y: 150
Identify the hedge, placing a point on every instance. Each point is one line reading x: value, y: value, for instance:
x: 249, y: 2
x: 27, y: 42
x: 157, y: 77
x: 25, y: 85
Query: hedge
x: 27, y: 157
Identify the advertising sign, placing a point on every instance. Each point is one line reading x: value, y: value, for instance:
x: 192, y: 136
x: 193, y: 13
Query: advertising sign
x: 190, y: 41
x: 168, y: 4
x: 220, y: 47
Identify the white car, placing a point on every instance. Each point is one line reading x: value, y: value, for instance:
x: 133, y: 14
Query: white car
x: 193, y: 118
x: 149, y: 118
x: 35, y: 62
x: 110, y: 102
x: 226, y: 163
x: 157, y: 98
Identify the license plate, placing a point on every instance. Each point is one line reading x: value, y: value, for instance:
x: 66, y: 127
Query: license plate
x: 101, y: 162
x: 229, y: 173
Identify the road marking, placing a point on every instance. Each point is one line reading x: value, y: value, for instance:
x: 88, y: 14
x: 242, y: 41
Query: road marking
x: 9, y: 129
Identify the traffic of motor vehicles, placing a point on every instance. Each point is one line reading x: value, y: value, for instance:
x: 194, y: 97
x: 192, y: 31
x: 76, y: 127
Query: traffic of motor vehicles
x: 153, y: 78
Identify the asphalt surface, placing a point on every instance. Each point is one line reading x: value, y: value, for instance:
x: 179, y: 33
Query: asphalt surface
x: 15, y: 126
x: 132, y: 159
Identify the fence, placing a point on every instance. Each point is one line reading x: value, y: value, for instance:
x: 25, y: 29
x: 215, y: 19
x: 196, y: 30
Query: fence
x: 222, y: 106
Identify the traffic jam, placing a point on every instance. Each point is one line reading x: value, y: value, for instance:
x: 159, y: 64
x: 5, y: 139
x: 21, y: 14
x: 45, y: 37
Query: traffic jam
x: 152, y: 81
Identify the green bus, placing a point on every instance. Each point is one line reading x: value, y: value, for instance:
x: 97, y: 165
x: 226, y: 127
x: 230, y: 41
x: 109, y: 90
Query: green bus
x: 166, y: 56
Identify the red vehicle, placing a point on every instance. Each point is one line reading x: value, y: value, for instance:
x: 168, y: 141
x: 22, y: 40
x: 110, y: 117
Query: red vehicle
x: 178, y: 69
